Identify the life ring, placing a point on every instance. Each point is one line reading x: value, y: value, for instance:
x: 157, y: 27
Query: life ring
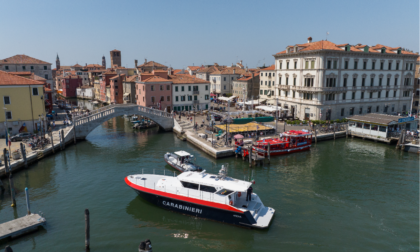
x: 239, y: 194
x: 231, y: 202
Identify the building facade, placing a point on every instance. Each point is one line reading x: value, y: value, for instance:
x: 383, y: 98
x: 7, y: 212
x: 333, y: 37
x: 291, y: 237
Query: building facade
x: 247, y: 86
x: 416, y: 96
x: 190, y: 93
x: 325, y: 81
x: 23, y: 100
x: 267, y: 83
x: 70, y: 84
x: 115, y: 56
x: 222, y: 80
x: 155, y: 92
x: 129, y: 90
x: 116, y: 84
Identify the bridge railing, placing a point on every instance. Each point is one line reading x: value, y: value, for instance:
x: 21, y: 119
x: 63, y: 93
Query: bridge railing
x: 96, y: 114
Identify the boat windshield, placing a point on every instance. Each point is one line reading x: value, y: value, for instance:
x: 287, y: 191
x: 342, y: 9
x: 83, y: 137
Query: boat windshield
x: 224, y: 192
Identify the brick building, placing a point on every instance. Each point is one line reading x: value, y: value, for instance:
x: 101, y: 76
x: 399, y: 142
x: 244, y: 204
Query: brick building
x: 116, y: 90
x: 70, y: 84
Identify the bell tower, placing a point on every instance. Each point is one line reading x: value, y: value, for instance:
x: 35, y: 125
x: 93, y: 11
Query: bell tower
x: 115, y: 58
x: 57, y: 62
x: 103, y: 61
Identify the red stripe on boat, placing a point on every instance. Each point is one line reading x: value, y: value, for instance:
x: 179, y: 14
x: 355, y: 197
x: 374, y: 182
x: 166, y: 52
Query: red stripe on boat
x: 182, y: 198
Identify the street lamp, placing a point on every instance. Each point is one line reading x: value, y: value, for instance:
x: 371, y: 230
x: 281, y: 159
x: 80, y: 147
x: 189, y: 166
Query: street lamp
x: 243, y: 99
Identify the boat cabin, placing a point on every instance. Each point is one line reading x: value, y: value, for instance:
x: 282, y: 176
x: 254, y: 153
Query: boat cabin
x: 183, y: 156
x: 289, y: 139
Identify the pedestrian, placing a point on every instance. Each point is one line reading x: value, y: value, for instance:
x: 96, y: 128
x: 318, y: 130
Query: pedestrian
x: 249, y: 193
x: 53, y: 124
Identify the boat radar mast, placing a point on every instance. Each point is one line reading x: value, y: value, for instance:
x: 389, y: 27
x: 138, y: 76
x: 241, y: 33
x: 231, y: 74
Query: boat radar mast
x: 223, y: 172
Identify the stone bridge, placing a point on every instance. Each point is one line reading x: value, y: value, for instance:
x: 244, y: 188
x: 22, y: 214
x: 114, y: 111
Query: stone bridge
x: 86, y: 123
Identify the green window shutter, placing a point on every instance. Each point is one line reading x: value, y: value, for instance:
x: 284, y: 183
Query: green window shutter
x: 306, y: 64
x: 312, y: 64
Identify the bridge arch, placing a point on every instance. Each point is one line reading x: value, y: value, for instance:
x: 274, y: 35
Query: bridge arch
x: 85, y: 124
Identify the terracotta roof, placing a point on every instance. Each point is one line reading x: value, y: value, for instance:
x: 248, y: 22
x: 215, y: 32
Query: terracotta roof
x: 72, y: 77
x: 109, y: 72
x: 11, y: 79
x: 193, y: 68
x: 150, y: 63
x: 20, y: 73
x: 47, y: 90
x: 210, y: 69
x: 156, y: 79
x: 77, y: 65
x: 376, y: 118
x: 229, y: 70
x: 248, y: 76
x: 328, y: 45
x: 131, y: 78
x: 92, y: 65
x: 22, y: 59
x: 270, y: 68
x: 175, y: 71
x: 116, y: 77
x: 186, y: 79
x: 38, y: 78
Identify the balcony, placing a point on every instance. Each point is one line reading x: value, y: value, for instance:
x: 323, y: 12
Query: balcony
x: 284, y: 87
x: 196, y: 92
x: 196, y: 102
x: 407, y: 87
x: 329, y: 90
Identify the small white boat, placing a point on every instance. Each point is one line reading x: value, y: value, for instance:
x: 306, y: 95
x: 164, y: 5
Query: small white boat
x: 182, y: 161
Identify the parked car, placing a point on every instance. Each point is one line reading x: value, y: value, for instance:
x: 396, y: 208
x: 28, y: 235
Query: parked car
x: 20, y: 136
x: 216, y: 117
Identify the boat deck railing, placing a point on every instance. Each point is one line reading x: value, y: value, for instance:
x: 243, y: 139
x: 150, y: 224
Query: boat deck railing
x: 151, y: 182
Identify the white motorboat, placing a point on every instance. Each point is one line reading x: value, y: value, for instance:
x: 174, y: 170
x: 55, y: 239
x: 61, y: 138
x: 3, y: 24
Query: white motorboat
x: 182, y: 161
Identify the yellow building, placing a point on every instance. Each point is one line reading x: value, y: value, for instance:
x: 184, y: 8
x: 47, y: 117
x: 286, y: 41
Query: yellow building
x: 23, y: 100
x: 97, y: 89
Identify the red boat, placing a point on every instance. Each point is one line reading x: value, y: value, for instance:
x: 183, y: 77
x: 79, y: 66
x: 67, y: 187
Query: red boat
x: 289, y: 142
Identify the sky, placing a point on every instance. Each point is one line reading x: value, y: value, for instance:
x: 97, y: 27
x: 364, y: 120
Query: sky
x: 185, y: 33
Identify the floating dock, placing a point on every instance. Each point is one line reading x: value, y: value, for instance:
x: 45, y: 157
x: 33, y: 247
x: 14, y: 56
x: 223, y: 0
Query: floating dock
x: 20, y: 226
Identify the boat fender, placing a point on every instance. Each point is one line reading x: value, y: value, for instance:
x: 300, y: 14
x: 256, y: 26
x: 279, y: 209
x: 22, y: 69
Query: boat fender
x: 239, y: 194
x: 231, y: 202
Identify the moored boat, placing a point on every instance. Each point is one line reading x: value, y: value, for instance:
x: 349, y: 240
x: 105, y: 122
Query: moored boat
x: 182, y: 161
x: 215, y: 197
x: 288, y: 142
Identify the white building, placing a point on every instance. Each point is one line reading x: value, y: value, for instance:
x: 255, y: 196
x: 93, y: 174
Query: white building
x: 324, y: 81
x: 84, y: 75
x: 85, y: 92
x: 222, y: 80
x: 189, y: 93
x: 267, y: 84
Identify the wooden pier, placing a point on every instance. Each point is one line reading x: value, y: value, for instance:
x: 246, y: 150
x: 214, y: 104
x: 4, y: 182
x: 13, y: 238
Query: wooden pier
x: 20, y: 226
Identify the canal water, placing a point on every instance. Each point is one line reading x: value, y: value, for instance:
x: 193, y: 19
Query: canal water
x: 343, y: 195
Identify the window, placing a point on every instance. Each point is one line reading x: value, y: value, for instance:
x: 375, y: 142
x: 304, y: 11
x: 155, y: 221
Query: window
x: 224, y: 78
x: 224, y: 87
x: 168, y: 87
x: 313, y: 64
x: 183, y: 98
x: 388, y: 81
x: 345, y: 82
x: 331, y: 82
x: 371, y: 95
x: 280, y: 81
x: 189, y: 185
x: 379, y: 94
x: 330, y: 97
x: 362, y: 95
x: 287, y: 65
x: 353, y: 95
x: 294, y: 81
x: 342, y: 112
x: 360, y: 110
x: 329, y: 64
x: 161, y: 87
x: 380, y: 81
x: 206, y: 97
x: 189, y: 88
x: 266, y: 74
x: 261, y: 74
x: 293, y: 94
x: 6, y: 100
x: 32, y: 67
x: 371, y: 82
x: 363, y: 82
x: 369, y: 109
x: 266, y: 83
x: 373, y: 65
x: 306, y: 64
x: 377, y: 109
x: 397, y: 67
x: 395, y: 93
x: 411, y: 66
x: 34, y: 91
x: 279, y: 68
x: 389, y: 65
x: 207, y: 87
x: 153, y: 99
x: 287, y: 81
x: 335, y: 64
x: 152, y: 88
x: 195, y: 97
x: 261, y: 83
x: 351, y: 112
x: 176, y: 98
x: 355, y: 65
x: 209, y: 189
x: 45, y: 67
x: 8, y: 115
x: 189, y: 98
x: 269, y: 83
x: 176, y: 89
x: 354, y: 82
x: 387, y: 94
x: 261, y: 92
x: 396, y: 82
x: 295, y: 64
x: 6, y: 67
x: 162, y: 98
x: 406, y: 66
x: 382, y: 66
x: 346, y: 64
x: 168, y: 98
x: 406, y: 94
x: 344, y: 96
x: 23, y: 67
x: 182, y: 88
x: 307, y: 96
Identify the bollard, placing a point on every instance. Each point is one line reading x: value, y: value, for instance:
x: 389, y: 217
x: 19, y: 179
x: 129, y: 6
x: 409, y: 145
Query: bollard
x: 28, y: 207
x: 8, y: 249
x: 23, y: 151
x: 268, y: 153
x: 6, y: 163
x: 87, y: 230
x: 315, y: 133
x: 12, y: 190
x: 334, y: 130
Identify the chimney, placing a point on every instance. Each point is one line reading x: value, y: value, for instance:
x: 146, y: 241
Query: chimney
x: 85, y: 64
x: 310, y: 40
x: 169, y: 71
x: 145, y: 61
x: 135, y: 63
x: 241, y: 62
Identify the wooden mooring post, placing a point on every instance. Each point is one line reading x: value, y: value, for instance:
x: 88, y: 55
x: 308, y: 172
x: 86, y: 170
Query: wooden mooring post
x: 62, y: 139
x: 250, y: 155
x: 28, y: 207
x: 87, y: 230
x: 12, y: 190
x: 315, y: 127
x: 8, y: 249
x: 347, y: 130
x: 335, y: 124
x: 6, y: 162
x: 52, y: 141
x: 23, y: 151
x: 268, y: 152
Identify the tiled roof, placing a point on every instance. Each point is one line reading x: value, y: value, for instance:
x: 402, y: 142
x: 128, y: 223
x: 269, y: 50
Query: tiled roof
x: 38, y: 78
x: 175, y: 71
x: 248, y: 76
x: 77, y: 65
x: 93, y: 65
x: 116, y: 77
x: 109, y: 72
x: 156, y: 79
x: 186, y: 79
x: 328, y: 45
x: 193, y: 68
x: 150, y: 63
x: 270, y: 68
x: 11, y: 79
x: 229, y: 70
x: 22, y: 59
x: 210, y: 69
x: 131, y: 78
x: 20, y: 73
x: 72, y: 77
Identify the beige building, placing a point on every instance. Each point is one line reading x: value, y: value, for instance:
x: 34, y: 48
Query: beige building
x: 267, y: 84
x: 323, y: 80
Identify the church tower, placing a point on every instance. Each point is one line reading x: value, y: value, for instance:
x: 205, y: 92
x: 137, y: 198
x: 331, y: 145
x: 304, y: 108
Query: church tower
x: 115, y: 58
x: 103, y: 61
x: 57, y: 62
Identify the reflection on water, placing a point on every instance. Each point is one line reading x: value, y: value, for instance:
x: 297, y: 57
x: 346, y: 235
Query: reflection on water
x: 342, y: 194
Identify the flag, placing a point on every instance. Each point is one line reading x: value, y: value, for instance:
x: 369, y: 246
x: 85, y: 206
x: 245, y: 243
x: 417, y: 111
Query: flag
x: 8, y: 142
x: 23, y: 128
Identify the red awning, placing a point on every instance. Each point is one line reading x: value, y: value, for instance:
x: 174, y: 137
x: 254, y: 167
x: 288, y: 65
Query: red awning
x: 213, y: 95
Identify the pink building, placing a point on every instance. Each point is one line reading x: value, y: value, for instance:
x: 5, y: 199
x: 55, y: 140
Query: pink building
x: 154, y: 90
x: 70, y: 84
x: 116, y: 83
